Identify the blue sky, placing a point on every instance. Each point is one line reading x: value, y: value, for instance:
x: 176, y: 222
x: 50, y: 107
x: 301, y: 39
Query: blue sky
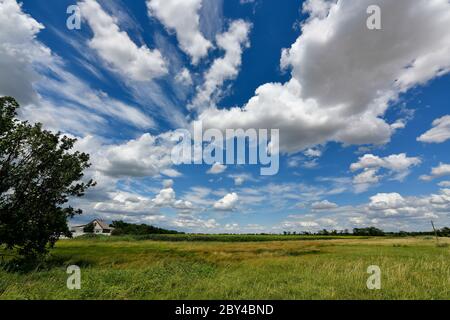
x: 363, y: 114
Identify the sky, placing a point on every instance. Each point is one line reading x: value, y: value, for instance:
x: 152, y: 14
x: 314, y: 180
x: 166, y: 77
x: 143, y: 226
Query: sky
x: 362, y: 113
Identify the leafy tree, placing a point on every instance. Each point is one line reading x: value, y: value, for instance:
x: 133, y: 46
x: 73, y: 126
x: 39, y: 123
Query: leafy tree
x: 371, y: 231
x: 324, y: 232
x: 89, y: 228
x: 38, y: 175
x: 123, y: 228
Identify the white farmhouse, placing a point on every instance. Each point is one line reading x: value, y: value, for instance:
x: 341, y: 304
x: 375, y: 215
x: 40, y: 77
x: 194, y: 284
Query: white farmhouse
x: 100, y: 228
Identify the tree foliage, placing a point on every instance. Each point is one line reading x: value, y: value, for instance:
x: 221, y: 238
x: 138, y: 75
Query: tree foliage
x: 123, y: 228
x: 89, y: 228
x: 371, y: 231
x: 38, y: 175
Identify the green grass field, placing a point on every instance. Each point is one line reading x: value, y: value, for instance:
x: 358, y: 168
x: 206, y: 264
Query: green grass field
x: 237, y: 268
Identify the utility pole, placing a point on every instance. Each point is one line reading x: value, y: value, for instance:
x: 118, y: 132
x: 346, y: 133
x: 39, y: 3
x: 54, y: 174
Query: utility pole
x: 435, y: 232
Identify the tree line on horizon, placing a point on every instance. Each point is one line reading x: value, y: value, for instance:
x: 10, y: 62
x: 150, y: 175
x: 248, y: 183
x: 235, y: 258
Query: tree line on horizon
x: 372, y: 232
x: 123, y: 228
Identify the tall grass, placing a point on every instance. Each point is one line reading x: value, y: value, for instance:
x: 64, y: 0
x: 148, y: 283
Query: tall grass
x: 412, y: 268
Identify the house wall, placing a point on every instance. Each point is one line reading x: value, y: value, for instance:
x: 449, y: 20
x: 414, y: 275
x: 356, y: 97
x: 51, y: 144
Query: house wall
x: 79, y: 230
x: 97, y: 228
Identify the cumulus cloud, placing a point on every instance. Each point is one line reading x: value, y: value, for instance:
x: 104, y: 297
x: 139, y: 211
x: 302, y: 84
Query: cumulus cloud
x: 324, y: 205
x: 131, y: 203
x: 225, y: 68
x: 440, y: 171
x: 217, y: 168
x: 344, y: 76
x: 303, y: 224
x: 397, y: 165
x: 126, y: 203
x: 388, y: 211
x: 397, y: 162
x: 317, y: 8
x: 365, y: 179
x: 444, y: 184
x: 146, y: 156
x: 227, y: 203
x: 385, y: 201
x: 167, y: 198
x: 18, y: 51
x: 117, y: 49
x: 183, y: 18
x: 195, y: 223
x: 393, y: 205
x: 239, y: 179
x: 439, y: 133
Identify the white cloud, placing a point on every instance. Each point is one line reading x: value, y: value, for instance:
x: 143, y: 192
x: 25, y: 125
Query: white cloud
x: 324, y: 205
x: 313, y: 153
x: 195, y: 223
x: 317, y: 8
x: 117, y: 49
x: 226, y: 68
x: 309, y: 225
x: 393, y: 205
x: 385, y: 201
x: 172, y: 173
x: 437, y: 172
x: 183, y: 18
x: 396, y: 162
x: 168, y: 183
x: 240, y: 179
x: 146, y: 156
x: 398, y: 166
x: 232, y: 227
x: 439, y: 133
x: 363, y: 181
x: 344, y: 75
x: 199, y: 196
x: 217, y: 168
x: 18, y: 51
x: 131, y: 203
x: 165, y: 197
x: 227, y: 203
x: 444, y: 184
x: 388, y: 211
x: 299, y: 161
x: 184, y: 78
x: 38, y: 79
x: 78, y: 93
x: 126, y: 203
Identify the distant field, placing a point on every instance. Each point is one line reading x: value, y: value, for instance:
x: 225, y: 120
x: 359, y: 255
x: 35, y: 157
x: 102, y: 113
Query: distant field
x: 249, y: 268
x: 223, y: 237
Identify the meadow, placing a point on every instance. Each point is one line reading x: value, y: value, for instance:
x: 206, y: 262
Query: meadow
x: 238, y: 267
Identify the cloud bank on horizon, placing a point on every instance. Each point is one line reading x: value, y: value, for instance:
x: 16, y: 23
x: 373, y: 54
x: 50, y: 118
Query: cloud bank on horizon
x: 363, y: 114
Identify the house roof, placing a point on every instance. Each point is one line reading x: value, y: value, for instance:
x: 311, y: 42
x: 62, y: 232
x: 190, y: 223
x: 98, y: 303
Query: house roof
x: 101, y: 223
